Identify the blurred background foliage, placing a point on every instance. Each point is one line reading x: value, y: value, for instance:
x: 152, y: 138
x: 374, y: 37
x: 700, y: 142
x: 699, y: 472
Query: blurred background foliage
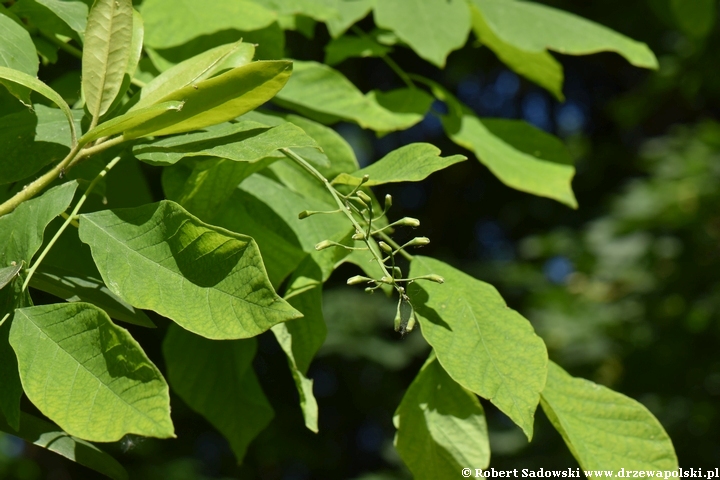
x: 625, y: 290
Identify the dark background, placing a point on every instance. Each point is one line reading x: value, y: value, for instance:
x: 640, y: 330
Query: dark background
x: 625, y: 290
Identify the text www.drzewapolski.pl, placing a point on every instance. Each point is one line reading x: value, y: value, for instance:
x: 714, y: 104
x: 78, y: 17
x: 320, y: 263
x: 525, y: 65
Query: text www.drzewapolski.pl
x: 707, y: 474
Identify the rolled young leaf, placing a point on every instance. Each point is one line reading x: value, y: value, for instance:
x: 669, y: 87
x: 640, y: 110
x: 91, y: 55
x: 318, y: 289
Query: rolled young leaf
x: 482, y: 344
x: 207, y: 279
x: 605, y: 430
x: 76, y: 366
x: 441, y: 426
x: 108, y: 39
x: 219, y: 99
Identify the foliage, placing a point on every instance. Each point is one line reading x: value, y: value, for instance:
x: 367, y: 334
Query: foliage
x: 260, y: 207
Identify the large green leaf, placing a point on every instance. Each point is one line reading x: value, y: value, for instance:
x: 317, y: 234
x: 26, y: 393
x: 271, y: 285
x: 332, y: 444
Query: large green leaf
x: 17, y: 52
x: 245, y: 141
x: 483, y: 345
x: 202, y: 186
x: 346, y: 47
x: 136, y: 49
x: 21, y: 235
x: 130, y: 120
x: 520, y: 155
x: 108, y: 39
x: 349, y: 12
x: 193, y: 70
x: 219, y: 99
x: 33, y: 83
x: 188, y: 21
x: 208, y: 280
x: 318, y: 88
x: 89, y: 375
x: 441, y: 426
x: 73, y: 13
x: 410, y: 163
x: 31, y: 140
x: 216, y: 379
x: 46, y: 435
x: 538, y: 67
x: 320, y: 10
x: 433, y: 28
x: 534, y: 28
x: 74, y: 286
x: 605, y: 429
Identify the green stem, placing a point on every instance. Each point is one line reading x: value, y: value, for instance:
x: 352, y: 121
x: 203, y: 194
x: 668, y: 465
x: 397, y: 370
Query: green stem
x: 138, y: 83
x: 358, y: 229
x: 72, y: 159
x: 69, y: 219
x: 396, y: 246
x: 63, y: 46
x: 389, y: 61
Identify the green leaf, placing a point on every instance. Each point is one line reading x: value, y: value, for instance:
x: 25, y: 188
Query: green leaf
x: 75, y: 286
x: 208, y: 280
x: 30, y: 143
x: 202, y: 186
x: 21, y: 235
x: 129, y: 121
x: 73, y: 13
x: 534, y: 28
x: 136, y: 49
x: 33, y: 83
x: 315, y: 87
x: 521, y: 156
x: 538, y: 67
x: 108, y: 39
x: 346, y: 47
x: 695, y: 18
x: 220, y: 98
x: 46, y: 435
x: 349, y: 12
x: 9, y: 272
x: 417, y: 23
x: 216, y: 380
x: 483, y: 345
x: 245, y: 141
x: 188, y: 21
x: 89, y: 375
x: 17, y: 52
x: 410, y: 163
x: 605, y: 429
x: 320, y: 10
x: 441, y: 426
x: 193, y: 70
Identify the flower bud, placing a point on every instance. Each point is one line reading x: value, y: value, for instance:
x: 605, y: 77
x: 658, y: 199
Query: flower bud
x: 357, y: 279
x: 397, y: 273
x: 359, y: 236
x: 408, y: 222
x: 323, y: 245
x: 364, y: 197
x: 418, y: 242
x: 385, y: 247
x: 432, y: 277
x: 304, y: 214
x: 364, y: 179
x: 388, y: 201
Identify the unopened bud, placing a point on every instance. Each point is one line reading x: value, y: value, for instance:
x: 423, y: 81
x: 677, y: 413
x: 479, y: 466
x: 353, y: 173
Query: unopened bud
x: 397, y: 273
x: 304, y: 214
x: 408, y: 222
x: 323, y: 245
x: 357, y: 279
x: 359, y: 236
x: 418, y: 242
x: 364, y: 179
x: 386, y: 248
x: 432, y: 277
x: 388, y: 201
x: 364, y: 197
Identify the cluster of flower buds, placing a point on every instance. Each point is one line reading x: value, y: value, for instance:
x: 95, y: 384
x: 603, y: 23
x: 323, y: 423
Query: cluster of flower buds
x: 361, y: 210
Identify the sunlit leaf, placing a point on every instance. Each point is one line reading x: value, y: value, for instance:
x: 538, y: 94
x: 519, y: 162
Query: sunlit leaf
x: 208, y: 280
x: 538, y: 67
x: 534, y: 27
x: 605, y: 429
x: 73, y: 13
x: 76, y: 365
x: 483, y: 345
x: 320, y: 10
x: 410, y: 163
x: 218, y: 382
x: 219, y: 99
x: 188, y: 21
x: 441, y: 426
x: 108, y: 38
x: 349, y: 12
x: 418, y: 23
